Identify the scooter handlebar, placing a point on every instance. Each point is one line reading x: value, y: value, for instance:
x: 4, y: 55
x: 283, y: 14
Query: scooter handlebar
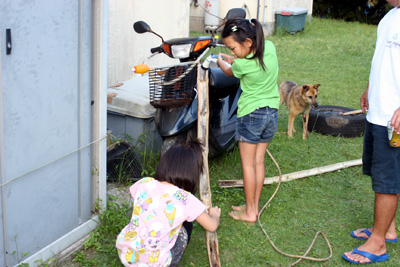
x: 157, y: 49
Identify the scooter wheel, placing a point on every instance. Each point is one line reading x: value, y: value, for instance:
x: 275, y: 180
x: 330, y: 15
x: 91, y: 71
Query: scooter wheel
x: 177, y: 139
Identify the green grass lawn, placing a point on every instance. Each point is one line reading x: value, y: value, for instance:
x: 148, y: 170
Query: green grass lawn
x: 337, y: 55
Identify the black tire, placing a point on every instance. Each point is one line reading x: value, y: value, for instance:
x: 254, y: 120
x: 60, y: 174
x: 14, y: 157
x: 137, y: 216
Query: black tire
x: 326, y: 119
x: 122, y: 163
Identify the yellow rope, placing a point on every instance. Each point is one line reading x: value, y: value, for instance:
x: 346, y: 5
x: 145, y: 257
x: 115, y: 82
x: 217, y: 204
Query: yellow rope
x: 300, y: 257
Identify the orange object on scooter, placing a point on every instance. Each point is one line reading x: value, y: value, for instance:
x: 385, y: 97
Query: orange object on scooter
x: 142, y: 68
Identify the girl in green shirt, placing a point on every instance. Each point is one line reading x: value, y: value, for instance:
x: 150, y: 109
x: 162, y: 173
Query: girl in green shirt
x: 255, y: 63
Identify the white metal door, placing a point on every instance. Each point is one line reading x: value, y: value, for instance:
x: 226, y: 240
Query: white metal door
x: 45, y: 123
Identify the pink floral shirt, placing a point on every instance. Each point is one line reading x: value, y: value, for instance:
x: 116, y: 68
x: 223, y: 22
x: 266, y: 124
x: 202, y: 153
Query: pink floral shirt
x: 158, y: 213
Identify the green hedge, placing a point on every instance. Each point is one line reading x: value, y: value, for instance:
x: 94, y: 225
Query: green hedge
x: 366, y: 11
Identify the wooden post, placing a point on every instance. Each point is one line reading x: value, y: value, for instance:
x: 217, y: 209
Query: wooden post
x: 202, y: 133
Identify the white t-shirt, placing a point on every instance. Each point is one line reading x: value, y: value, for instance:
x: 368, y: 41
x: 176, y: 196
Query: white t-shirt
x: 384, y: 79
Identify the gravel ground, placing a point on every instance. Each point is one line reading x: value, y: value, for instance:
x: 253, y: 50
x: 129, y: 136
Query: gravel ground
x: 119, y: 192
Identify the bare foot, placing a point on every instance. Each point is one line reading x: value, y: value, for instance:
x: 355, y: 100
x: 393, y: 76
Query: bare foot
x: 242, y: 216
x: 241, y: 208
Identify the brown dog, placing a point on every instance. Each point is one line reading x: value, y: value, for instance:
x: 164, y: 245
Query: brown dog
x: 298, y: 99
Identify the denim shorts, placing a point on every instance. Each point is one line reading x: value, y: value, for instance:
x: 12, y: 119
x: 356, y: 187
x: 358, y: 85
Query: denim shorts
x: 258, y: 126
x: 380, y: 160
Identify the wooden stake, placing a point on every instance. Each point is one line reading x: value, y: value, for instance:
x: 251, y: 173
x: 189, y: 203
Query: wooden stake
x: 296, y: 175
x: 202, y: 133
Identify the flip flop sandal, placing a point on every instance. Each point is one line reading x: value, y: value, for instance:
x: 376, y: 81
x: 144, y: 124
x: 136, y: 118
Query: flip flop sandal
x: 372, y: 257
x: 368, y: 233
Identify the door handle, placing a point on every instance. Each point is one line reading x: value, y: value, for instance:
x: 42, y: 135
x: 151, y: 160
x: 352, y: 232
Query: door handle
x: 8, y: 41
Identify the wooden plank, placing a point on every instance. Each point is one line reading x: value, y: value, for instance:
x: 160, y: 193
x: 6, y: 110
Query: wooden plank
x: 296, y: 175
x: 202, y: 134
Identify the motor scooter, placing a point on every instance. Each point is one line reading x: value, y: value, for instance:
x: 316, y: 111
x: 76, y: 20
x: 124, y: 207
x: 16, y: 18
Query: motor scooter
x: 173, y: 92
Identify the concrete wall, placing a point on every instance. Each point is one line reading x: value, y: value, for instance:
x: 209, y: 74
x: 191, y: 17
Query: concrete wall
x: 126, y: 48
x: 267, y: 18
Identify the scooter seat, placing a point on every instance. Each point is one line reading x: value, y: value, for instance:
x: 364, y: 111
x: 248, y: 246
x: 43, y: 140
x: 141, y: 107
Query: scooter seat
x: 218, y: 79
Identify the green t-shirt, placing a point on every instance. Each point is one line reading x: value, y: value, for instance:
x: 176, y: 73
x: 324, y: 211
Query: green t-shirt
x: 260, y: 88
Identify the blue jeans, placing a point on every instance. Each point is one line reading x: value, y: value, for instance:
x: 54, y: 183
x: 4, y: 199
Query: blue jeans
x: 258, y: 126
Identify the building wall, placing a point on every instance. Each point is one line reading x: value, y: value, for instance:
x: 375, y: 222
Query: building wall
x: 266, y: 11
x: 197, y: 16
x: 126, y: 48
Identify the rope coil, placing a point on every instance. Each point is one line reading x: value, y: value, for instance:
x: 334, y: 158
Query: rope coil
x: 300, y: 257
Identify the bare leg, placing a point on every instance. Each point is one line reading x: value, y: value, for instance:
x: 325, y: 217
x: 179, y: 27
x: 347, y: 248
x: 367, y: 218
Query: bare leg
x: 252, y: 157
x: 260, y: 172
x: 385, y: 212
x: 390, y: 235
x: 261, y: 149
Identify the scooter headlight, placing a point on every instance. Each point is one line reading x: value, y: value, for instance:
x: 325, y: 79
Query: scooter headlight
x: 181, y: 51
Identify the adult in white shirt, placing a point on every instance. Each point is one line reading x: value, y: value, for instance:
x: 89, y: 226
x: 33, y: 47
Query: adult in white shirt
x: 381, y: 161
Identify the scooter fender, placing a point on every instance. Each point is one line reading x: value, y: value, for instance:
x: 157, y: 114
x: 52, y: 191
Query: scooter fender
x: 223, y: 121
x: 172, y: 121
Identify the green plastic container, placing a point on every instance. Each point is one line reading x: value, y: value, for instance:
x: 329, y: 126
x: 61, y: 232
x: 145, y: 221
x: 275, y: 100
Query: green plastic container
x: 293, y: 19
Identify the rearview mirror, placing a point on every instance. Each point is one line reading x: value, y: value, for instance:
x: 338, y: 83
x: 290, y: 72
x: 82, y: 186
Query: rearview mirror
x: 141, y: 27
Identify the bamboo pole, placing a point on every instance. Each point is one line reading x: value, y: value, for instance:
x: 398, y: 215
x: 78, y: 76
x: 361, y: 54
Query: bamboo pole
x: 296, y: 175
x: 202, y: 134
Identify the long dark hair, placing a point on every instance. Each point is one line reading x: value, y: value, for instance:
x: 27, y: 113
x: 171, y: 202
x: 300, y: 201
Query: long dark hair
x: 241, y: 29
x: 181, y: 165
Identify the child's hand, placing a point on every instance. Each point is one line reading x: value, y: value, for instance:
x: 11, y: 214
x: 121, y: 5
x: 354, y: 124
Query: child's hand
x: 220, y: 61
x: 210, y: 220
x: 226, y: 58
x: 215, y: 212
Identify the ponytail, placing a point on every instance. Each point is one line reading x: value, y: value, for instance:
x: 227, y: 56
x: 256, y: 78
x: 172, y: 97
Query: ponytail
x: 241, y: 29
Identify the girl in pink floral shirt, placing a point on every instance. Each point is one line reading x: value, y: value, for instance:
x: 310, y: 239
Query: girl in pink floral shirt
x: 163, y: 209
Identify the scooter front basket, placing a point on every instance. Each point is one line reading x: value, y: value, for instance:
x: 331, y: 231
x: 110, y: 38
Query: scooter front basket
x: 172, y: 86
